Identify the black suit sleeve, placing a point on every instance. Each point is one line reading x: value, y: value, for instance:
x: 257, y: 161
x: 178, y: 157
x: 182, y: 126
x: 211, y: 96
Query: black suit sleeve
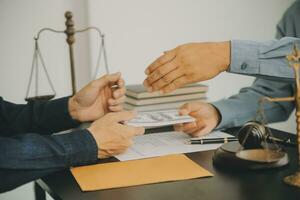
x: 42, y: 117
x: 26, y: 155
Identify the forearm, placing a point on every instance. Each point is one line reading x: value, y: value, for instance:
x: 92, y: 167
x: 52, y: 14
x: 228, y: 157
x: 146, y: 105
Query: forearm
x: 263, y: 59
x: 247, y: 103
x: 37, y: 155
x: 37, y: 116
x: 33, y: 151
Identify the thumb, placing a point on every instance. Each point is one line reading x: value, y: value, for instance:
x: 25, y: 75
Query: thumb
x: 122, y: 116
x: 191, y: 107
x: 133, y: 131
x: 107, y: 79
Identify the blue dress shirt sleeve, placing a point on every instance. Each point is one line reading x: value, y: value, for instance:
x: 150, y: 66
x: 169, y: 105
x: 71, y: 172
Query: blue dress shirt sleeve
x: 267, y: 61
x: 263, y: 59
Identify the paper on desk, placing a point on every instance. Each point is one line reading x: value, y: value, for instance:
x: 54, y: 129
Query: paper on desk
x: 131, y: 173
x: 151, y: 119
x: 159, y: 144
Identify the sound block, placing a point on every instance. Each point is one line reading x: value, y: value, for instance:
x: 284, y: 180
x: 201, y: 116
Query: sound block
x: 225, y: 157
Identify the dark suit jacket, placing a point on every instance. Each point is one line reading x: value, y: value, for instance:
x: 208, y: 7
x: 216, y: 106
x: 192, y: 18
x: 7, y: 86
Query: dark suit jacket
x: 28, y: 148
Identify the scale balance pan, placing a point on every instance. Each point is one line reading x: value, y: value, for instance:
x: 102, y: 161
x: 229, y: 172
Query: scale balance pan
x: 261, y: 155
x: 225, y: 157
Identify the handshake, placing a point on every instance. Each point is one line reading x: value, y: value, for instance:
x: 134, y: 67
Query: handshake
x: 101, y: 100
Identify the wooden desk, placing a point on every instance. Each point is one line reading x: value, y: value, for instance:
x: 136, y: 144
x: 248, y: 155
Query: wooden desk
x: 231, y: 185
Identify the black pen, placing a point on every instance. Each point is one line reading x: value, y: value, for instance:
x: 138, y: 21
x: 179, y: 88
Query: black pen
x: 212, y: 140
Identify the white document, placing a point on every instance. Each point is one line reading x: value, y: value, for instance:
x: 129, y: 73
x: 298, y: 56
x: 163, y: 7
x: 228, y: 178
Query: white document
x: 159, y: 144
x: 152, y: 119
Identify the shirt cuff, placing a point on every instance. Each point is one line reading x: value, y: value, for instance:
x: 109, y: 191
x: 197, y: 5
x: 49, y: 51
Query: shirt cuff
x: 58, y: 109
x: 226, y: 121
x: 80, y: 146
x: 244, y: 57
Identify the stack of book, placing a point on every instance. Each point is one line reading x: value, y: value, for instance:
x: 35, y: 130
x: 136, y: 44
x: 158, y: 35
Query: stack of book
x: 138, y: 99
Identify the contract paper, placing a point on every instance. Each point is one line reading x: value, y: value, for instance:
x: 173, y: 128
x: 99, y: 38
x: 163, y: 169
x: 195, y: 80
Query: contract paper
x: 152, y: 119
x: 159, y: 144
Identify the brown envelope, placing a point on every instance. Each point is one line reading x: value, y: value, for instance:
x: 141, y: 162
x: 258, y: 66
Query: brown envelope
x: 137, y: 172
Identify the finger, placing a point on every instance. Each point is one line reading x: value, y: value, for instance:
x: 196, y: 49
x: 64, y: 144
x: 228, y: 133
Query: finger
x: 119, y: 92
x: 167, y: 57
x: 179, y: 82
x: 190, y: 107
x: 125, y: 144
x: 188, y: 126
x: 147, y: 86
x: 201, y: 127
x: 115, y: 108
x: 115, y: 102
x: 190, y: 131
x: 121, y: 116
x: 161, y: 72
x: 178, y: 127
x: 120, y: 148
x: 166, y: 80
x: 103, y: 154
x: 131, y: 131
x: 121, y: 83
x: 107, y: 79
x: 201, y: 132
x: 117, y: 151
x: 122, y: 143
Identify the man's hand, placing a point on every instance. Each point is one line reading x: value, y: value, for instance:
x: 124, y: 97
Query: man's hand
x: 206, y: 115
x: 98, y: 98
x: 111, y: 136
x: 188, y: 63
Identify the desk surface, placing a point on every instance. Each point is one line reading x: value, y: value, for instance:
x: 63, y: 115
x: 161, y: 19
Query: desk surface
x: 239, y: 185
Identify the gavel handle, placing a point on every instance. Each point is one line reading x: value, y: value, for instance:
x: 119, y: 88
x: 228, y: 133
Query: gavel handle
x: 286, y: 142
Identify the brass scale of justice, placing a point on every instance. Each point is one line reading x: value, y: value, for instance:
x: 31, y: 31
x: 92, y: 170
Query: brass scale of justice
x: 231, y: 154
x: 257, y: 148
x: 39, y: 60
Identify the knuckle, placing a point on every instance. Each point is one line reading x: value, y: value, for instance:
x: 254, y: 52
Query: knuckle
x: 103, y: 78
x: 159, y: 61
x: 175, y: 84
x: 179, y: 48
x: 110, y: 115
x: 166, y: 79
x: 192, y: 76
x: 159, y: 72
x: 195, y: 134
x: 186, y: 105
x: 123, y: 90
x: 122, y: 100
x: 93, y: 83
x: 184, y: 62
x: 151, y: 78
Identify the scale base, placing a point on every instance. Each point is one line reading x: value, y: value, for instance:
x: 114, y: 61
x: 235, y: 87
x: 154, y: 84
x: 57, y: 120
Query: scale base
x: 293, y: 179
x: 225, y: 157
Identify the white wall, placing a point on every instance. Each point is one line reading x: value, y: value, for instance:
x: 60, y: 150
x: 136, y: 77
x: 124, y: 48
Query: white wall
x: 19, y: 21
x: 138, y: 31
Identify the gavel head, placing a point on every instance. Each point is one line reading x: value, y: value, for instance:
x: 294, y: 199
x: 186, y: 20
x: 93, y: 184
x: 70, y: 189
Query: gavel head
x: 252, y: 134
